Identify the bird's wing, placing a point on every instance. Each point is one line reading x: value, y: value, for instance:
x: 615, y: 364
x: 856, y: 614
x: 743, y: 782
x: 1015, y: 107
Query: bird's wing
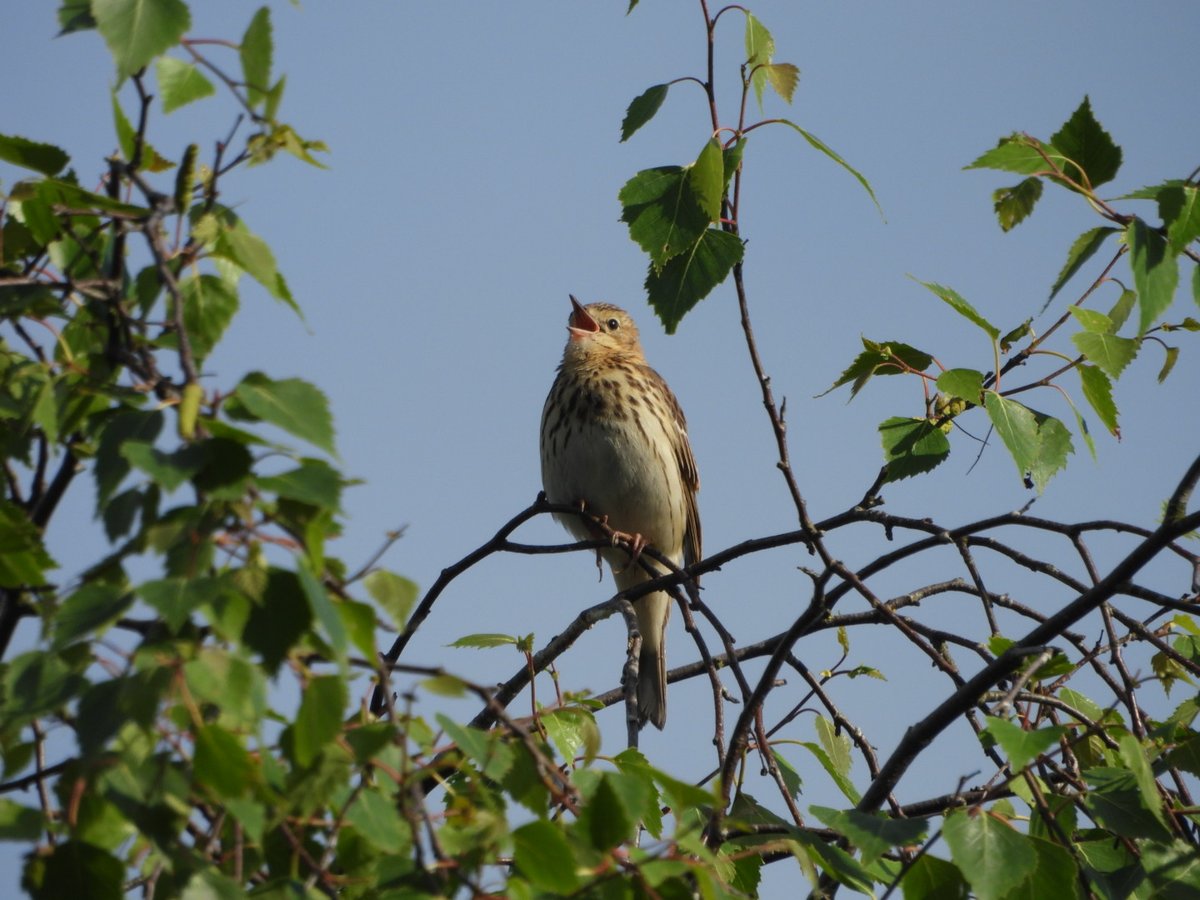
x: 689, y: 475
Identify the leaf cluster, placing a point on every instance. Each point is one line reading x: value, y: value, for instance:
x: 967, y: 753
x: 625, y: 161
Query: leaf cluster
x: 1080, y: 157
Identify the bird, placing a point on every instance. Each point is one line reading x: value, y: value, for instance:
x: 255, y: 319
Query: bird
x: 614, y: 442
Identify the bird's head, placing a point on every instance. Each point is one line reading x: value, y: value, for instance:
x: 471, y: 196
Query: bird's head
x: 600, y: 332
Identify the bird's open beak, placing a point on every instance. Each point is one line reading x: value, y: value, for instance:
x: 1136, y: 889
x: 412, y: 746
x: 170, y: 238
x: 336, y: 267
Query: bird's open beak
x: 581, y: 324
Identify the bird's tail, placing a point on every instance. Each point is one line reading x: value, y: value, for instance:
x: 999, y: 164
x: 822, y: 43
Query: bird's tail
x: 653, y: 610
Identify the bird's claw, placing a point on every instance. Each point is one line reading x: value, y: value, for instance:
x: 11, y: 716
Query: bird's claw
x: 637, y: 544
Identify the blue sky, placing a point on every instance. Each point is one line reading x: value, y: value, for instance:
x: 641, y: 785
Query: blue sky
x: 474, y: 169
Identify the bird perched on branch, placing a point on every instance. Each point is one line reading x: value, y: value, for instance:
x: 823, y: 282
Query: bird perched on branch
x: 615, y: 441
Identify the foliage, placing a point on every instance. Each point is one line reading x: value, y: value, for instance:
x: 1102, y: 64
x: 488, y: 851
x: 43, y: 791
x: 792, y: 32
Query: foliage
x: 145, y: 716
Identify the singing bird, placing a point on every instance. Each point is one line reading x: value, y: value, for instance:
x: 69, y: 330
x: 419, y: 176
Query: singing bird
x: 614, y: 439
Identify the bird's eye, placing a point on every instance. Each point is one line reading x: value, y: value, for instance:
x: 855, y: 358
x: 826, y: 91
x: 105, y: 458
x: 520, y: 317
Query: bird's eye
x: 613, y: 324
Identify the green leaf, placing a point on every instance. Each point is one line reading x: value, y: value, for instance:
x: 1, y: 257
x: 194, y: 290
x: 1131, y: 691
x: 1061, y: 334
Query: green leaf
x: 1056, y: 874
x: 359, y: 621
x: 486, y: 750
x: 966, y: 384
x: 880, y: 358
x: 1117, y: 803
x: 1014, y: 204
x: 541, y: 854
x: 136, y: 31
x: 230, y: 683
x: 733, y: 157
x: 175, y: 598
x: 1155, y: 271
x: 291, y: 404
x: 1022, y: 154
x: 930, y: 878
x: 817, y: 144
x: 445, y: 686
x: 75, y: 15
x: 1020, y: 746
x: 209, y: 305
x: 111, y: 466
x: 991, y: 854
x: 256, y: 50
x: 912, y: 446
x: 23, y: 558
x: 604, y: 821
x: 1172, y: 868
x: 313, y: 481
x: 77, y: 869
x: 836, y: 745
x: 484, y: 641
x: 62, y: 194
x: 1088, y: 147
x: 1109, y: 352
x: 35, y: 683
x: 45, y: 158
x: 791, y: 778
x: 169, y: 470
x: 706, y: 179
x: 250, y: 253
x: 642, y: 109
x: 1119, y: 314
x: 1098, y: 391
x: 180, y: 83
x: 573, y: 732
x: 690, y: 277
x: 92, y: 608
x: 960, y: 305
x: 1081, y: 251
x: 1091, y: 320
x: 221, y: 762
x: 1134, y: 757
x: 19, y: 823
x: 278, y: 620
x: 836, y: 862
x: 1180, y: 211
x: 1039, y: 444
x: 1054, y: 446
x: 760, y: 48
x: 378, y: 820
x: 323, y: 611
x: 872, y: 833
x: 664, y: 216
x: 395, y: 593
x: 319, y: 719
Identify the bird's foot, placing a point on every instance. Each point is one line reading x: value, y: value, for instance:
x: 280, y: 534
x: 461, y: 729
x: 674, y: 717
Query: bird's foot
x: 637, y: 544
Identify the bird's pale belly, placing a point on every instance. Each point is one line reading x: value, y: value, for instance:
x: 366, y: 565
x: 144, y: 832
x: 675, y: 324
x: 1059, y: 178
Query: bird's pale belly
x: 626, y: 480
